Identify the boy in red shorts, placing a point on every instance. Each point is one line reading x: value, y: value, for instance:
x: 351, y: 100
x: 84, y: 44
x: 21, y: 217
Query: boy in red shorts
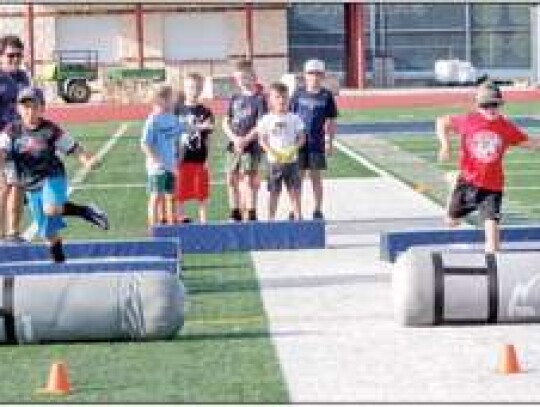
x: 192, y: 173
x: 485, y: 136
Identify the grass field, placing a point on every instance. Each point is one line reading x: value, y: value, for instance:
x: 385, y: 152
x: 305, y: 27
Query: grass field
x: 522, y: 167
x: 224, y: 353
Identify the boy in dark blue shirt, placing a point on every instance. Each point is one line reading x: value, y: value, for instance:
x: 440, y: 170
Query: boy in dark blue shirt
x: 317, y: 108
x: 245, y: 109
x: 32, y: 143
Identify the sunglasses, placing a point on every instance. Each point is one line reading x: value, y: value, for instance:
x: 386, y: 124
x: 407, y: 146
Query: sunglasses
x: 13, y: 55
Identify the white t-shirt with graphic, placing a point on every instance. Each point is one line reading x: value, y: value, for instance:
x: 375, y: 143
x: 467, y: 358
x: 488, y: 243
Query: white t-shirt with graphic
x: 281, y: 132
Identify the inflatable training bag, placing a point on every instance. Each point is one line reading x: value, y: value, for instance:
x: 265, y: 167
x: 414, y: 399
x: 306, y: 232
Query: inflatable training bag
x: 90, y: 307
x: 433, y: 287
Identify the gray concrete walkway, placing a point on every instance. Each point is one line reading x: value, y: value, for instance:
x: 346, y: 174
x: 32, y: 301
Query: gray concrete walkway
x: 337, y: 301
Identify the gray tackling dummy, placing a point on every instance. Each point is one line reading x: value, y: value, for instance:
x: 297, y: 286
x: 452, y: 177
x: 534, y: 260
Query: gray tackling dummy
x: 98, y: 306
x: 434, y: 287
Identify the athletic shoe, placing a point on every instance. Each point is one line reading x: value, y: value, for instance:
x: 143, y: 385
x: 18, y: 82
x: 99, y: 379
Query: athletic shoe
x: 98, y: 217
x: 252, y: 215
x: 291, y: 215
x: 318, y: 215
x: 185, y: 219
x: 236, y: 215
x: 57, y: 252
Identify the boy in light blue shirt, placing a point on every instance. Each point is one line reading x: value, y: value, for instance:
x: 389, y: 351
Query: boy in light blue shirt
x: 160, y: 140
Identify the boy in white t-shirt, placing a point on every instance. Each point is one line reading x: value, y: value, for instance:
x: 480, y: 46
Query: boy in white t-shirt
x: 281, y: 134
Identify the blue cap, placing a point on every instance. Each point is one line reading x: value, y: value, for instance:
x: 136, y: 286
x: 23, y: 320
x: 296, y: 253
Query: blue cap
x: 31, y: 93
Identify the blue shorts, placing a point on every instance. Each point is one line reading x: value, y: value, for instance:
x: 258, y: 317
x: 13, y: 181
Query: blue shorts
x: 52, y: 193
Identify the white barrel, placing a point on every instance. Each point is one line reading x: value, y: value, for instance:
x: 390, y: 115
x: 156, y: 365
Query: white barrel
x: 433, y: 287
x: 88, y: 307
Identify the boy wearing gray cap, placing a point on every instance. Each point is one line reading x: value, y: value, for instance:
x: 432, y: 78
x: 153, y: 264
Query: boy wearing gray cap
x: 485, y: 136
x: 31, y: 144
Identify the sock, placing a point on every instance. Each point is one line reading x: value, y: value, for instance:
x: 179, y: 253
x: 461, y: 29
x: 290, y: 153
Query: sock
x: 252, y: 214
x: 71, y: 209
x: 236, y: 215
x: 57, y: 252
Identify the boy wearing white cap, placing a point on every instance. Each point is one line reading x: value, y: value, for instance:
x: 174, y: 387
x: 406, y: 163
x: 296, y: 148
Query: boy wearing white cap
x: 317, y: 108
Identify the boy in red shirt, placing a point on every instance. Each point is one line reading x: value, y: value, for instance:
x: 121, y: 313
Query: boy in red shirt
x: 485, y: 136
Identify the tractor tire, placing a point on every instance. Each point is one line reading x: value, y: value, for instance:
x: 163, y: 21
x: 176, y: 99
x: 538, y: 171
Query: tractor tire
x: 78, y: 91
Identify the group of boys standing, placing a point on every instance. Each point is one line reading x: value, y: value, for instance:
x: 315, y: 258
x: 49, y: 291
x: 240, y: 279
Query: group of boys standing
x: 295, y: 134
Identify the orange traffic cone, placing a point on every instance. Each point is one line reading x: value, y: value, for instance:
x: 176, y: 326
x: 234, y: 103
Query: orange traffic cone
x: 508, y: 361
x: 58, y: 383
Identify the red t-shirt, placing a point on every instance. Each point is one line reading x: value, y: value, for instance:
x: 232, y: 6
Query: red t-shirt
x: 484, y: 142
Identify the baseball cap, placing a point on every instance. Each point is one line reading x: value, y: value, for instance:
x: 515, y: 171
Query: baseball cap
x: 314, y: 65
x: 31, y: 93
x: 488, y: 94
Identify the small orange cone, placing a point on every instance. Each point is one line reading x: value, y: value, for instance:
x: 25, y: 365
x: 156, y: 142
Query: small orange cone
x: 58, y: 383
x: 508, y: 361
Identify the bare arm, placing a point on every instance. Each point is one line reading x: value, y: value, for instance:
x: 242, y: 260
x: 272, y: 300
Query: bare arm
x: 148, y: 152
x: 86, y: 158
x: 532, y: 143
x: 301, y: 139
x: 444, y: 131
x: 329, y: 134
x: 226, y: 125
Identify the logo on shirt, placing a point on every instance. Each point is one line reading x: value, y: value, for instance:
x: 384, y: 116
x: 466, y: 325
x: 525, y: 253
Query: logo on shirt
x: 485, y: 146
x: 32, y: 145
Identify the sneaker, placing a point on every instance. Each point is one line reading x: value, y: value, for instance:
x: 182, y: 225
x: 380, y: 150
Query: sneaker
x: 252, y: 215
x: 236, y: 215
x: 185, y: 219
x: 291, y: 215
x: 57, y: 253
x: 318, y: 215
x: 98, y: 217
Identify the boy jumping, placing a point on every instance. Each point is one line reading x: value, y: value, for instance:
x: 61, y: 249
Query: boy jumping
x: 32, y: 143
x: 485, y: 136
x: 281, y: 135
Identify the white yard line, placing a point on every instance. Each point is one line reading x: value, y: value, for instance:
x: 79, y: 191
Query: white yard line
x: 362, y: 160
x: 84, y: 187
x: 82, y: 173
x: 522, y: 188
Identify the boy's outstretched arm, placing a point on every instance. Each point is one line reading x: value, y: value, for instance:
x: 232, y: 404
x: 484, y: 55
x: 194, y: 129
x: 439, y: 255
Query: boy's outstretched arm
x: 444, y: 131
x: 87, y: 159
x: 532, y: 143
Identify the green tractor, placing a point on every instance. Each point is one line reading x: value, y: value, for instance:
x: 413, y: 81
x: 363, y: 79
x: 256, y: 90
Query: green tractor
x: 72, y: 70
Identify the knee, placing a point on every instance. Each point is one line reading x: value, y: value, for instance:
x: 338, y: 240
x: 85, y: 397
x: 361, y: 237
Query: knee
x: 452, y: 222
x: 232, y: 180
x: 52, y: 210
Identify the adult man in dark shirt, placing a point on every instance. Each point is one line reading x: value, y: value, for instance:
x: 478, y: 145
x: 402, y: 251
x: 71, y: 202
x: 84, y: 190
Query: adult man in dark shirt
x: 12, y: 79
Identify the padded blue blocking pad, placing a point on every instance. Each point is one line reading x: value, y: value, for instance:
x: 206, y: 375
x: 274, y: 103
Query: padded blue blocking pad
x: 249, y: 236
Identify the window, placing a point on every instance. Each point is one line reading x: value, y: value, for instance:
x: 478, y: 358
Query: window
x: 501, y: 36
x: 199, y: 36
x: 316, y: 31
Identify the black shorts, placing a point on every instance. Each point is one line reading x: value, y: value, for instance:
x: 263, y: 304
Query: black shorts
x: 288, y: 174
x: 311, y: 160
x: 467, y: 198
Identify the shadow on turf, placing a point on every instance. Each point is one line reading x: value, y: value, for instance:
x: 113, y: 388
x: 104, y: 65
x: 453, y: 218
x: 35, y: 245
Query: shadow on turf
x: 202, y: 287
x: 233, y: 336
